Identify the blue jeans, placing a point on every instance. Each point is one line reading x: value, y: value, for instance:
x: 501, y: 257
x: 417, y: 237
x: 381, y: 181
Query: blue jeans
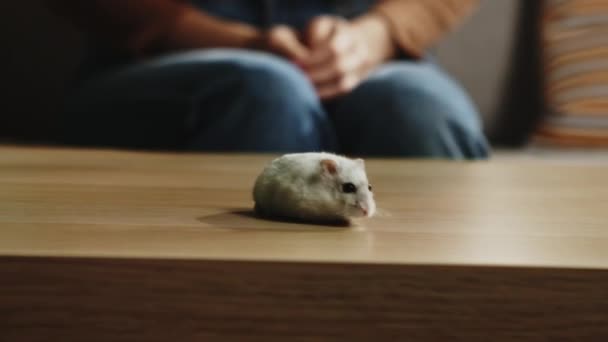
x: 241, y: 100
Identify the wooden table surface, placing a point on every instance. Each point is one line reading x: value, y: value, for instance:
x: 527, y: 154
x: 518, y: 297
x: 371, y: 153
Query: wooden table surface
x: 459, y: 250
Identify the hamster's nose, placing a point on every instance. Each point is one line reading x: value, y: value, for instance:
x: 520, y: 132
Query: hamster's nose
x: 364, y: 210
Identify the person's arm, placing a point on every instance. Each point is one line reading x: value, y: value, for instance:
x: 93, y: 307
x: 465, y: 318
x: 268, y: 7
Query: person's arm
x: 416, y: 25
x: 143, y: 27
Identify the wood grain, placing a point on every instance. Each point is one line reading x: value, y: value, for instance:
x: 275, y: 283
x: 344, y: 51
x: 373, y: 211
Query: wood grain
x: 155, y: 246
x: 73, y: 299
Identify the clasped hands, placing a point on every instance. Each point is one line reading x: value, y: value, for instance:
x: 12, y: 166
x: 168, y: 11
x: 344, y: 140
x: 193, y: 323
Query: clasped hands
x: 334, y: 53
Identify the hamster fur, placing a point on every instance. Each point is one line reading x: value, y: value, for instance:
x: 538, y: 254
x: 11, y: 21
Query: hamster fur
x: 314, y: 187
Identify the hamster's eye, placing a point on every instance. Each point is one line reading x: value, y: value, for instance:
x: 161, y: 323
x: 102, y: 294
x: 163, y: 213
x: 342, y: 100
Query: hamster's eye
x: 369, y: 187
x: 349, y: 188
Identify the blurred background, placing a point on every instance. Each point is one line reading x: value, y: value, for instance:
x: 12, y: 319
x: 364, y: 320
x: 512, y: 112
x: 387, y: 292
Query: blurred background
x: 495, y: 55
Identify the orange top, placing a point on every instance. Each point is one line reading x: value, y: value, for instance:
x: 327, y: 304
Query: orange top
x: 148, y: 25
x: 418, y: 24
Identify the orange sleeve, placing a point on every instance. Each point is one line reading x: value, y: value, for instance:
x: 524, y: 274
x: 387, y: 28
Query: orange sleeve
x: 418, y: 24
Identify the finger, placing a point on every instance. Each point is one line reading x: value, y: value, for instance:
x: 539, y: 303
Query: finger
x: 339, y: 43
x: 284, y: 41
x: 319, y: 30
x: 336, y: 68
x: 339, y: 87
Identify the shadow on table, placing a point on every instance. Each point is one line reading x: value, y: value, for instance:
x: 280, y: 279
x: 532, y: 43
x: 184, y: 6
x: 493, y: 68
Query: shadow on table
x: 249, y: 219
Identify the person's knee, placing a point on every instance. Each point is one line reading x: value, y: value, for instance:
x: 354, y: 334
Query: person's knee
x: 420, y: 110
x: 268, y: 80
x: 273, y: 106
x: 272, y: 81
x: 421, y: 113
x: 283, y: 102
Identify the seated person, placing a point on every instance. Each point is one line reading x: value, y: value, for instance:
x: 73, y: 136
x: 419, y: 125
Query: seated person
x: 346, y: 76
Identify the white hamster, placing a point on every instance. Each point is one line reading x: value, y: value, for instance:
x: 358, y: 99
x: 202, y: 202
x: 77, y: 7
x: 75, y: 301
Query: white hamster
x: 314, y: 187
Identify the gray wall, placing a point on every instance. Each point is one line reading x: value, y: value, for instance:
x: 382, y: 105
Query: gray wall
x: 478, y: 54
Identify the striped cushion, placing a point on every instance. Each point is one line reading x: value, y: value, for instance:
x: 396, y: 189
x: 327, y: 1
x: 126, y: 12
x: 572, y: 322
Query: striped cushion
x: 575, y: 59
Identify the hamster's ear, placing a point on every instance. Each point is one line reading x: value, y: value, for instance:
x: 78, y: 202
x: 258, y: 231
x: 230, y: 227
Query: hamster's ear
x: 329, y: 166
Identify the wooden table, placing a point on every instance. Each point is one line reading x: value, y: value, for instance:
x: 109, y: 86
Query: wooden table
x: 109, y: 246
